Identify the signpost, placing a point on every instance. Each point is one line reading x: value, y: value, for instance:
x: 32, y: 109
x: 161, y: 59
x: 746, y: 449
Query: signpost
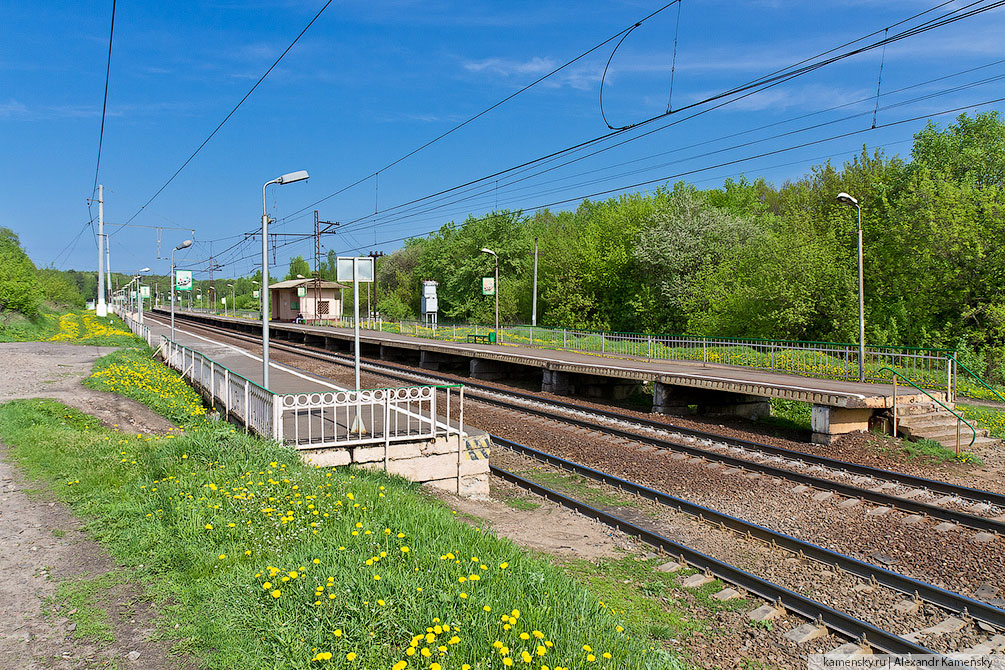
x: 488, y: 286
x: 355, y: 269
x: 144, y: 293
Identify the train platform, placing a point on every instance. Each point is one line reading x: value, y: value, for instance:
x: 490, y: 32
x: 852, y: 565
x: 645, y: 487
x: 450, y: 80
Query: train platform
x: 416, y: 432
x: 839, y: 406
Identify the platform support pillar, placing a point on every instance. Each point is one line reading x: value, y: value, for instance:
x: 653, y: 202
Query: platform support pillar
x: 830, y: 423
x: 554, y: 381
x: 667, y: 399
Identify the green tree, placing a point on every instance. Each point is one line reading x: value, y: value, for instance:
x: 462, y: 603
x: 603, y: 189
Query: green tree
x: 20, y: 289
x: 298, y: 266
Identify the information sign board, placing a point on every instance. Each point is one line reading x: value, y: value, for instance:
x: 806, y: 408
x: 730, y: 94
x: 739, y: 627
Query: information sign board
x: 364, y: 269
x: 183, y: 280
x: 488, y: 286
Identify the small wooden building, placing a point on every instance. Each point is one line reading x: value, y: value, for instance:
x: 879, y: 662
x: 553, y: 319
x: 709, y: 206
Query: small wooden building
x: 293, y: 297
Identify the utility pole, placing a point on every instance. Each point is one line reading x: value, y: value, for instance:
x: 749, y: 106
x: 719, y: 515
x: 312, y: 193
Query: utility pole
x: 374, y: 255
x: 317, y: 258
x: 101, y: 309
x: 108, y: 265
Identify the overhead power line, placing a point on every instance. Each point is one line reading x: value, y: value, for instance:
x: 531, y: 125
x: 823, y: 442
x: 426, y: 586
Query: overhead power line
x: 104, y: 103
x: 728, y: 96
x: 232, y: 112
x: 488, y: 109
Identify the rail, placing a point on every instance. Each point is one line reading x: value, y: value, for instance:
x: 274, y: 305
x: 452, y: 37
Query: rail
x: 938, y: 596
x: 959, y: 418
x: 975, y: 376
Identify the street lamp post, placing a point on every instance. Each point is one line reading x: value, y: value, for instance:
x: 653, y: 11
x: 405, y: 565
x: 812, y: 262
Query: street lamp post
x: 846, y: 199
x: 533, y: 310
x: 288, y: 178
x: 183, y: 245
x: 233, y: 305
x: 496, y: 257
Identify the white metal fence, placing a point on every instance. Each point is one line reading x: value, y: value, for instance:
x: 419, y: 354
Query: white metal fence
x: 378, y: 417
x: 138, y: 329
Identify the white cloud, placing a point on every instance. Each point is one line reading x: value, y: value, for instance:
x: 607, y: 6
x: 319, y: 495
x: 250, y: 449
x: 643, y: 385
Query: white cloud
x: 506, y: 67
x: 12, y: 108
x: 791, y: 97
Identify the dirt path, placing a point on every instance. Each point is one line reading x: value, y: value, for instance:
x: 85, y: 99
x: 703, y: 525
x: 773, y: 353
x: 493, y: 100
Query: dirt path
x: 45, y: 546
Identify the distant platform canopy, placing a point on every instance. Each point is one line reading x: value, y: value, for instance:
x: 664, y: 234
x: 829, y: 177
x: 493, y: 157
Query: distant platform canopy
x: 306, y: 299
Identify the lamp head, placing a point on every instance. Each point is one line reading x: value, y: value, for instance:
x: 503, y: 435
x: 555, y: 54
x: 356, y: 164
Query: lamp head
x: 488, y: 251
x: 291, y: 177
x: 145, y: 270
x: 184, y: 245
x: 846, y: 199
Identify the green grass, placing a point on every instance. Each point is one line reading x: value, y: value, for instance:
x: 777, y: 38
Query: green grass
x: 521, y: 503
x: 578, y: 486
x: 133, y: 373
x: 991, y: 419
x: 212, y: 516
x: 85, y: 598
x: 651, y: 601
x: 934, y: 452
x: 790, y: 414
x: 75, y: 327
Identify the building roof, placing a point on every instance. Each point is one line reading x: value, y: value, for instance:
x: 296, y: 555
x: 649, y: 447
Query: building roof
x: 307, y: 282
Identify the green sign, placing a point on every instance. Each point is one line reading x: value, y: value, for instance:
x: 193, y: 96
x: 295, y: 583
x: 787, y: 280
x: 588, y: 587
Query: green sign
x: 183, y: 280
x: 488, y: 286
x: 301, y: 291
x: 144, y: 291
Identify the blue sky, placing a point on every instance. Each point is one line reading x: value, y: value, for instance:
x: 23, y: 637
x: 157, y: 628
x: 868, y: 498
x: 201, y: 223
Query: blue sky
x: 369, y: 82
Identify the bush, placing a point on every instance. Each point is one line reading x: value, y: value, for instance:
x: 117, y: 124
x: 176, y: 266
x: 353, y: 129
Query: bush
x: 19, y: 287
x: 59, y: 290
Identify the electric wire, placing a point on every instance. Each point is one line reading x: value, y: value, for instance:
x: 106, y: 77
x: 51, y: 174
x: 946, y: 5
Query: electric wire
x: 773, y: 152
x: 230, y: 114
x: 488, y: 109
x: 104, y: 103
x: 772, y: 79
x: 380, y: 221
x: 953, y: 16
x: 698, y: 170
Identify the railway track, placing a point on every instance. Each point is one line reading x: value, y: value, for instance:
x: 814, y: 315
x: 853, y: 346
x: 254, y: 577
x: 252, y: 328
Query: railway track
x: 979, y: 510
x: 954, y: 611
x: 958, y: 611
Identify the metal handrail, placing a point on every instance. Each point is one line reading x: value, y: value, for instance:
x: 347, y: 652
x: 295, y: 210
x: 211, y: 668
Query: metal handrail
x: 974, y: 375
x: 941, y: 404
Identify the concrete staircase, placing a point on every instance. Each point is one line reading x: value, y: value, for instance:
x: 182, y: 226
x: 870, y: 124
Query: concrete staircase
x: 929, y: 421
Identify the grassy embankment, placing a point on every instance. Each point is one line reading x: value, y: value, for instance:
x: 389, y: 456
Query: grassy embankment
x: 265, y: 562
x: 77, y: 327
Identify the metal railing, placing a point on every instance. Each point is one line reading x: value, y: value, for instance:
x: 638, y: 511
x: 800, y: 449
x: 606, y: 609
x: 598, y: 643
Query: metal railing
x: 329, y: 419
x: 932, y: 368
x: 977, y: 378
x: 959, y: 418
x: 233, y: 394
x: 138, y: 329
